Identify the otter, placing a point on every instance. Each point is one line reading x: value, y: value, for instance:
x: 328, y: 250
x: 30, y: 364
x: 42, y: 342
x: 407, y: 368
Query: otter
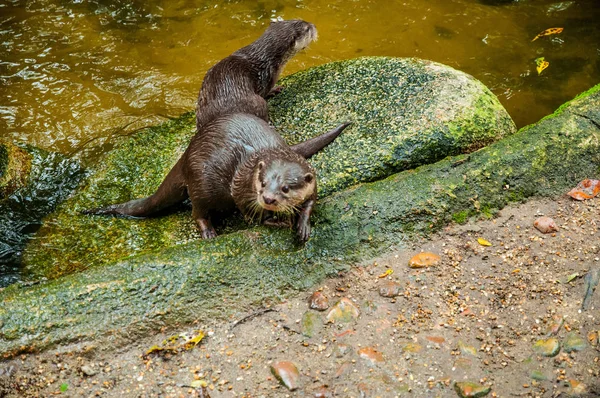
x: 241, y: 82
x: 236, y: 159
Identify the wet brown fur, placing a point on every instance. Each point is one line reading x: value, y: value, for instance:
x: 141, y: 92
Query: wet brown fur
x: 234, y: 147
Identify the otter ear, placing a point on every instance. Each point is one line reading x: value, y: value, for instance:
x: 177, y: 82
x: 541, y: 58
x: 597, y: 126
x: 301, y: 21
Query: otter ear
x: 261, y: 165
x: 308, y: 177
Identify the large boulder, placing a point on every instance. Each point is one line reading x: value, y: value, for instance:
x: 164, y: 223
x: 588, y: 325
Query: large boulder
x: 215, y: 278
x: 407, y: 113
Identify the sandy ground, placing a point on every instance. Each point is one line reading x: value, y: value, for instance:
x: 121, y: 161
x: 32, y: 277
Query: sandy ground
x: 474, y: 317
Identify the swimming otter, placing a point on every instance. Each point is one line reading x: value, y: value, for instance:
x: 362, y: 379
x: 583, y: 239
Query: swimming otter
x: 237, y: 160
x: 241, y: 82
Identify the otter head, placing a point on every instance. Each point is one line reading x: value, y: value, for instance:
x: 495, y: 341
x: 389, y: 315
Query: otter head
x: 283, y: 186
x: 297, y: 34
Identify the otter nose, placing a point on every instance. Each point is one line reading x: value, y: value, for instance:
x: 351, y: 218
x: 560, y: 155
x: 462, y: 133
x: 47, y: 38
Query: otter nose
x: 269, y: 201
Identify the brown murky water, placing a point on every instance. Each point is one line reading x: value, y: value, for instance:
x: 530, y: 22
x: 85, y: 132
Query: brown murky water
x: 75, y: 73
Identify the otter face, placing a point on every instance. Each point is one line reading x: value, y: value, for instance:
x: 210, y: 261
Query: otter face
x: 283, y: 186
x: 299, y: 34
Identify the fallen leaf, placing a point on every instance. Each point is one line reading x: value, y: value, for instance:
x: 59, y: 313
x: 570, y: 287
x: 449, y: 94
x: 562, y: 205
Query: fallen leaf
x: 572, y: 277
x: 198, y: 384
x: 548, y: 32
x: 586, y: 189
x: 541, y: 64
x: 193, y: 342
x: 387, y: 272
x: 483, y: 242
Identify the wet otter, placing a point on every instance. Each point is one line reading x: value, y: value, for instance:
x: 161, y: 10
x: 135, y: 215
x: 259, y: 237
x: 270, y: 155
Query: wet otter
x: 236, y: 158
x: 241, y: 82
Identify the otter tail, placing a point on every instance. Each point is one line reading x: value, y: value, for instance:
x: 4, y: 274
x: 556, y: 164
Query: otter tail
x: 314, y: 145
x: 170, y: 192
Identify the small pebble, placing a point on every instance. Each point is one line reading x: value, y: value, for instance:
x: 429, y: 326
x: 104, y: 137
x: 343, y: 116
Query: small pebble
x: 318, y: 301
x: 389, y: 289
x: 545, y: 225
x: 287, y: 374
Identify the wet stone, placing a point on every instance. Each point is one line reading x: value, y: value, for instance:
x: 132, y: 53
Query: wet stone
x: 545, y: 225
x: 467, y: 349
x: 573, y: 342
x: 370, y: 354
x: 343, y: 311
x: 88, y: 370
x: 412, y: 348
x: 318, y: 301
x: 341, y: 350
x: 577, y: 388
x: 468, y: 390
x: 423, y: 260
x: 389, y: 289
x: 287, y: 374
x: 547, y: 347
x: 310, y: 324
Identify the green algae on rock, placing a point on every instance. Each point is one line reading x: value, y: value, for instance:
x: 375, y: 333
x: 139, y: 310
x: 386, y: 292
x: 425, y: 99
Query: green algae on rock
x: 201, y: 280
x: 407, y: 112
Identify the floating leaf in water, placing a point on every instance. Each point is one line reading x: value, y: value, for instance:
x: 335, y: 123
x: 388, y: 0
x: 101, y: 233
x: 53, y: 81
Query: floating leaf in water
x: 541, y: 64
x: 483, y: 242
x: 586, y: 189
x: 548, y: 32
x: 387, y: 272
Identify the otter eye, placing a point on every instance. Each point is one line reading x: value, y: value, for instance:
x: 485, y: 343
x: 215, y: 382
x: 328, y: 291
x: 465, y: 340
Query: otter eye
x: 263, y: 184
x: 285, y: 189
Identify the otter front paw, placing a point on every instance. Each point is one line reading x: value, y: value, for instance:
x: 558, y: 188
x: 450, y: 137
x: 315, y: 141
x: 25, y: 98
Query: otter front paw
x: 303, y: 231
x: 274, y: 91
x: 209, y: 233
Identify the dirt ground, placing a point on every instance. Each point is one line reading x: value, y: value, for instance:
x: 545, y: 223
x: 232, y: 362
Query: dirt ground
x: 474, y: 317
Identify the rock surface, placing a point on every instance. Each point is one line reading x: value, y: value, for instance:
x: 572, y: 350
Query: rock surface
x: 406, y: 113
x: 191, y: 280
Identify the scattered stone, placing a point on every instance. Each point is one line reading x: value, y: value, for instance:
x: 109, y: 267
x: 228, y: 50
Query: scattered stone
x: 436, y: 339
x: 547, y: 347
x: 471, y: 390
x: 88, y: 370
x: 310, y: 324
x: 322, y: 392
x: 412, y: 347
x: 318, y: 301
x: 343, y: 311
x: 594, y: 338
x: 467, y: 349
x: 573, y: 342
x: 363, y: 390
x: 425, y: 259
x: 287, y: 374
x: 371, y: 354
x: 577, y: 388
x: 341, y: 350
x: 555, y: 327
x: 586, y: 189
x: 390, y: 289
x: 538, y: 375
x: 545, y: 225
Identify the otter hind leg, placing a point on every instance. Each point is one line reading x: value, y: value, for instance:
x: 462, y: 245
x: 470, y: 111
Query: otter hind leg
x: 171, y: 191
x: 308, y: 148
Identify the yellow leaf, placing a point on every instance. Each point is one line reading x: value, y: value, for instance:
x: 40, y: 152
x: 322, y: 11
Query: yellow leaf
x: 541, y: 64
x: 198, y: 384
x: 483, y: 242
x: 154, y: 348
x: 548, y: 32
x: 193, y: 342
x: 387, y: 272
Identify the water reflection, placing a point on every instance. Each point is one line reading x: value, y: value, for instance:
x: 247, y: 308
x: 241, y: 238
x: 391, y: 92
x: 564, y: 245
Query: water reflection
x: 74, y: 74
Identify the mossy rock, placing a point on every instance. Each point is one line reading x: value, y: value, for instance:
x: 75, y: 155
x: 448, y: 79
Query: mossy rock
x: 201, y: 280
x: 407, y: 112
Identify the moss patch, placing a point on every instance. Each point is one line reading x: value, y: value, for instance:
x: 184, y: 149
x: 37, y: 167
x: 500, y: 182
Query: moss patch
x: 407, y: 112
x: 203, y: 279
